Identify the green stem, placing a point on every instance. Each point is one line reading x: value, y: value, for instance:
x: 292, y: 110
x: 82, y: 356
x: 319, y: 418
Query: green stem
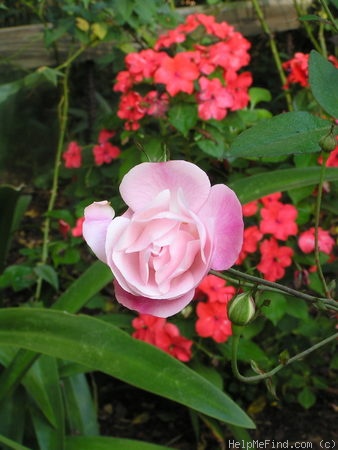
x: 263, y: 376
x: 317, y: 219
x: 274, y: 50
x: 307, y: 27
x: 276, y: 287
x: 329, y: 14
x: 63, y: 119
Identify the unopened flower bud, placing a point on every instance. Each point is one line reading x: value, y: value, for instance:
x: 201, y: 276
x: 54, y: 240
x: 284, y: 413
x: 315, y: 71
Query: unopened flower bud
x: 328, y: 143
x: 241, y: 309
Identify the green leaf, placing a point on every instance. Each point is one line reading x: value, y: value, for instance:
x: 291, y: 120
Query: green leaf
x: 297, y: 308
x: 109, y: 443
x: 183, y: 117
x: 8, y: 89
x: 277, y: 308
x: 50, y: 437
x: 259, y: 185
x: 285, y: 134
x: 47, y: 273
x: 323, y: 78
x: 12, y: 444
x: 12, y: 416
x: 81, y: 412
x: 96, y: 277
x: 13, y: 205
x: 103, y: 347
x: 306, y: 398
x: 258, y: 95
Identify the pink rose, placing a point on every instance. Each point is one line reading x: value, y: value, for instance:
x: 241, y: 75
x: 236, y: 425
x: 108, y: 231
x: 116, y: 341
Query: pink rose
x: 177, y: 228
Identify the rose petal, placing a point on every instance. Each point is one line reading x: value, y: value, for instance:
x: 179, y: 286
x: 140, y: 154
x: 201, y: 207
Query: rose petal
x: 158, y: 308
x: 98, y: 216
x: 224, y: 206
x: 156, y: 177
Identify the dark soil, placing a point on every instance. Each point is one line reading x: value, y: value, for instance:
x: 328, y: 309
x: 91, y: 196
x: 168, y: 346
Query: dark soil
x: 131, y: 413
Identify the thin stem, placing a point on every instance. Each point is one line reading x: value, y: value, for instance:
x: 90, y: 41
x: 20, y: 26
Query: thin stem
x: 274, y: 50
x: 263, y: 376
x: 317, y: 219
x: 63, y: 119
x: 329, y: 14
x: 307, y: 27
x: 261, y: 283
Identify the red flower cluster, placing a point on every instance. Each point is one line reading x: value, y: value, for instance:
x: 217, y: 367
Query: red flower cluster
x: 212, y: 315
x: 104, y: 152
x: 277, y: 220
x: 73, y: 156
x: 164, y: 335
x: 298, y: 69
x: 209, y: 72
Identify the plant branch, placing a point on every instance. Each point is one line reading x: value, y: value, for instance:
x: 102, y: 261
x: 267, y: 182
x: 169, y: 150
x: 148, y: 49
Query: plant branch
x: 329, y: 14
x: 274, y: 50
x: 317, y: 218
x: 263, y: 376
x: 262, y: 284
x: 63, y: 120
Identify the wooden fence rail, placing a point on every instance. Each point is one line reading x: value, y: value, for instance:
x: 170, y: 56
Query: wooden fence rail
x: 24, y: 45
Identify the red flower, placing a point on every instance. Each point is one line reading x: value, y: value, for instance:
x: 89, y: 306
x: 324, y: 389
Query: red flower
x: 306, y: 241
x: 170, y: 340
x: 77, y: 230
x: 274, y: 259
x: 252, y: 236
x: 279, y: 219
x: 156, y: 104
x: 164, y: 335
x: 64, y: 228
x: 131, y: 109
x: 73, y: 156
x: 177, y: 73
x: 298, y: 70
x: 146, y: 327
x: 216, y: 290
x: 213, y: 99
x: 213, y: 321
x: 105, y: 151
x: 332, y: 160
x: 250, y: 209
x: 271, y: 198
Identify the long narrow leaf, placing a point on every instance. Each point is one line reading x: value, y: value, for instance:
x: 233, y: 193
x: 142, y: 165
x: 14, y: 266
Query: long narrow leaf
x: 256, y: 186
x: 108, y: 443
x: 92, y: 342
x: 77, y: 295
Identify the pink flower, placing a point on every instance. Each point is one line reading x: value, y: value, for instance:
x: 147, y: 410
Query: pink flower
x: 306, y: 241
x: 279, y: 219
x: 73, y: 156
x: 213, y: 99
x: 213, y: 321
x: 274, y: 259
x: 177, y: 228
